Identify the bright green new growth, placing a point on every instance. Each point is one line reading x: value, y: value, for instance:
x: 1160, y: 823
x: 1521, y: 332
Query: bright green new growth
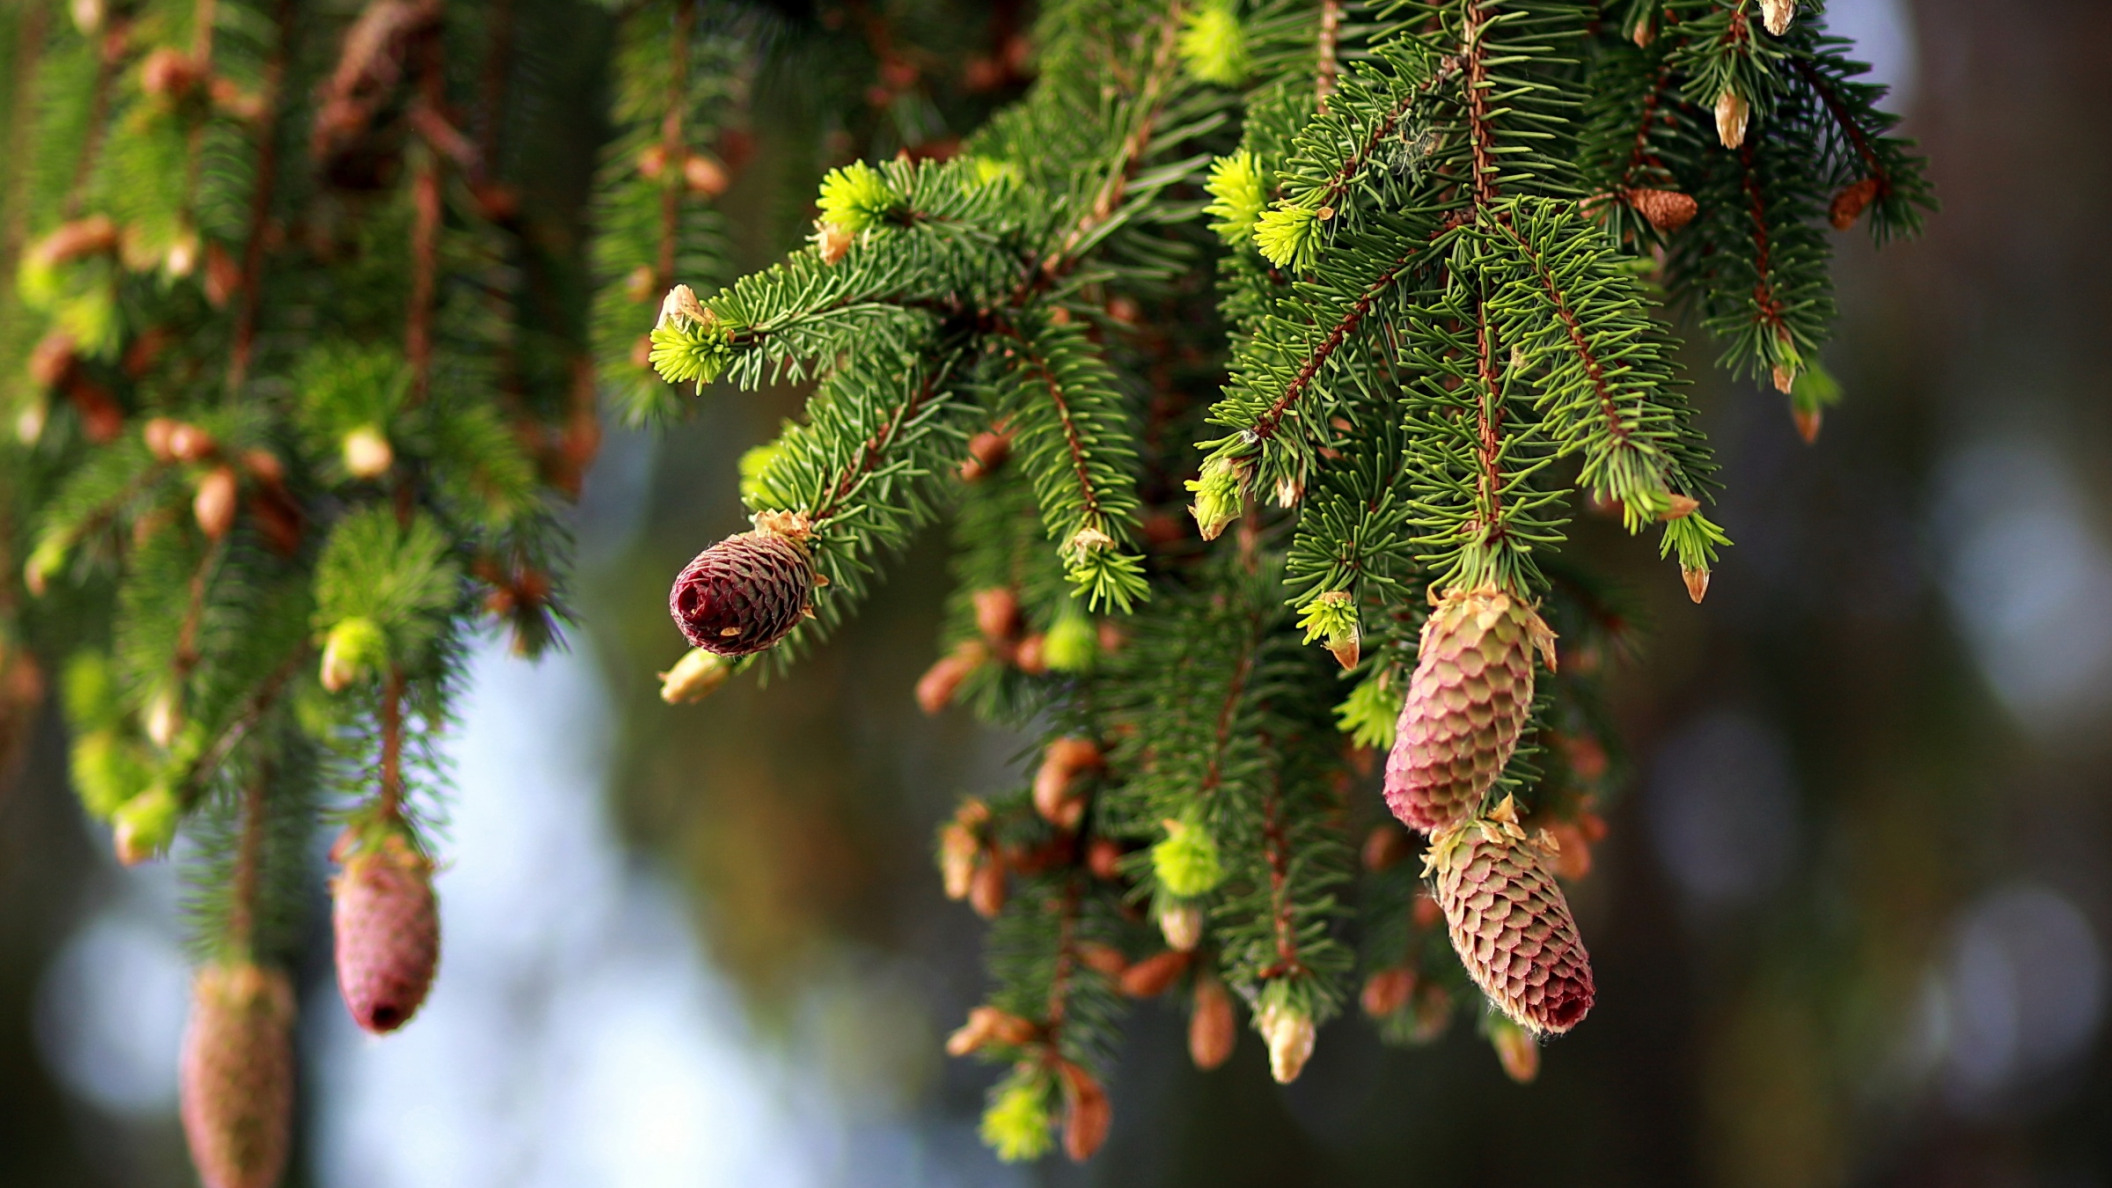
x: 1019, y: 1122
x: 1213, y: 46
x: 1238, y: 195
x: 1186, y: 862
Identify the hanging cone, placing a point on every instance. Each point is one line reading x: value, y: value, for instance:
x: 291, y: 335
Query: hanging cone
x: 1510, y: 922
x: 236, y: 1075
x: 388, y: 933
x: 1466, y: 704
x: 746, y: 592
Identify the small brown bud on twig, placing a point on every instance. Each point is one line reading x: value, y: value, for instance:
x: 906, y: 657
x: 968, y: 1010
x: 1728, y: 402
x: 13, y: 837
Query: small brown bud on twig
x: 1387, y: 991
x: 214, y: 504
x: 1086, y: 1112
x: 1386, y: 844
x: 1182, y: 926
x: 986, y: 452
x: 1808, y: 421
x: 1665, y: 210
x: 1150, y: 977
x: 1212, y: 1031
x: 997, y: 614
x: 1697, y: 581
x: 704, y: 176
x: 1776, y: 15
x: 986, y: 887
x: 1103, y: 857
x: 1105, y: 960
x: 1517, y: 1051
x: 936, y: 688
x: 1849, y: 204
x: 959, y: 848
x: 1732, y: 114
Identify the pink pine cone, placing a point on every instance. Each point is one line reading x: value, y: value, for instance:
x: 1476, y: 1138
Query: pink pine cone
x: 1466, y: 704
x: 235, y: 1076
x: 1510, y: 921
x: 388, y: 933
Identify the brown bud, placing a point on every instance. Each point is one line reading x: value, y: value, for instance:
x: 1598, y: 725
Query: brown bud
x: 168, y: 74
x: 1849, y: 204
x: 997, y: 614
x: 653, y: 162
x: 1212, y: 1031
x: 935, y: 689
x: 1517, y: 1051
x: 1426, y: 913
x: 1680, y: 507
x: 1106, y: 960
x: 834, y: 241
x: 1086, y: 1112
x: 1032, y: 655
x: 1697, y: 581
x: 987, y: 1024
x: 189, y: 443
x: 986, y: 887
x: 958, y: 850
x: 704, y: 176
x: 1386, y: 844
x: 91, y: 236
x: 1055, y: 797
x: 1150, y: 977
x: 1572, y: 860
x: 1665, y: 210
x: 1808, y: 421
x: 53, y: 360
x: 986, y: 452
x: 1776, y: 15
x: 1387, y: 991
x: 1103, y: 857
x: 1732, y: 114
x: 214, y: 505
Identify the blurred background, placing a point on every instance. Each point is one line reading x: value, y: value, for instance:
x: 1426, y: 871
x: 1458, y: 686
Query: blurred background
x: 1850, y: 925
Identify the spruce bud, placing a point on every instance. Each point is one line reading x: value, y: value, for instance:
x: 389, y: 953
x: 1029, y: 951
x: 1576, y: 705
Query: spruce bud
x: 367, y: 453
x: 1776, y: 14
x: 997, y: 614
x: 1182, y: 925
x: 214, y: 504
x: 1016, y: 1122
x: 1086, y: 1112
x: 1186, y: 863
x: 145, y: 825
x: 704, y: 176
x: 189, y: 443
x: 986, y: 887
x: 1218, y: 491
x: 1055, y: 794
x: 1697, y: 580
x: 353, y: 648
x: 1212, y: 1031
x: 1849, y: 204
x: 958, y: 850
x: 1150, y: 977
x: 1732, y: 112
x: 1387, y: 991
x: 236, y: 1077
x: 1665, y: 210
x: 1290, y: 1034
x: 936, y: 688
x: 165, y: 717
x: 387, y: 927
x: 1516, y: 1050
x: 694, y: 677
x: 1072, y: 643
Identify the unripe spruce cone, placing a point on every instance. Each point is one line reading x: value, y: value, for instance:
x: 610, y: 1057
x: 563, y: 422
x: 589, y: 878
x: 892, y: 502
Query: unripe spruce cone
x: 1466, y: 704
x: 388, y: 933
x: 1510, y: 922
x: 236, y: 1076
x: 748, y: 591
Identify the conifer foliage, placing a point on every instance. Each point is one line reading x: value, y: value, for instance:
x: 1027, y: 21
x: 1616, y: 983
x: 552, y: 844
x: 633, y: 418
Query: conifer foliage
x: 1248, y: 326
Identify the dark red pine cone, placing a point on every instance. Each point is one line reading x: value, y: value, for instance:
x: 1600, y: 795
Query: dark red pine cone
x: 744, y: 593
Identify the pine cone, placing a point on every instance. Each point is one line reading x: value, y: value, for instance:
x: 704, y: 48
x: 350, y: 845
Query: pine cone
x: 744, y: 593
x: 236, y: 1080
x: 1510, y: 922
x: 388, y: 933
x: 1466, y: 704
